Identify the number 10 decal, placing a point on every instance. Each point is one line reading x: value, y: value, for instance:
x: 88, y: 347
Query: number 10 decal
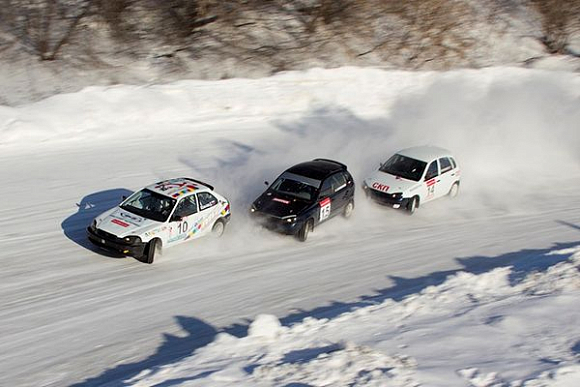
x: 324, y: 209
x: 182, y: 227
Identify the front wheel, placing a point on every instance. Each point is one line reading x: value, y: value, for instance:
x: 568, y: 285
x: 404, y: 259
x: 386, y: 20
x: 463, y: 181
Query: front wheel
x: 304, y: 231
x: 413, y: 205
x: 153, y: 248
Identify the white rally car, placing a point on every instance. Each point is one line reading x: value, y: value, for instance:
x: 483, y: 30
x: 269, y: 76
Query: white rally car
x: 414, y: 176
x: 163, y: 214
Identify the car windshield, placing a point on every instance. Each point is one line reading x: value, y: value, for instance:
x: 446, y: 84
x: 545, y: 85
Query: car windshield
x: 404, y: 167
x: 150, y: 205
x: 295, y: 185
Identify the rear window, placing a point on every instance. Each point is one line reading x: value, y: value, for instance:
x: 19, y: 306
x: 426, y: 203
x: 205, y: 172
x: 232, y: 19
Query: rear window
x: 445, y: 165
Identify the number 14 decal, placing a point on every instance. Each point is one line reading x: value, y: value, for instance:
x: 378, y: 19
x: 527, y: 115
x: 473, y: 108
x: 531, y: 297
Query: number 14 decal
x: 324, y: 209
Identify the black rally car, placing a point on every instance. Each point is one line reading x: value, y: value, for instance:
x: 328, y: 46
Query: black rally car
x: 305, y: 195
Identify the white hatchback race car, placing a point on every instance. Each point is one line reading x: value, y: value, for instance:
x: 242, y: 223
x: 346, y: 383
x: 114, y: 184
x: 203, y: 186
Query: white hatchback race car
x: 414, y: 176
x: 161, y: 215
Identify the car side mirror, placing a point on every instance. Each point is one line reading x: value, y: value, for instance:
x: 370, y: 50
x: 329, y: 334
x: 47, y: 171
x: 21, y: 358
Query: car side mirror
x: 124, y: 197
x: 176, y: 218
x: 267, y: 184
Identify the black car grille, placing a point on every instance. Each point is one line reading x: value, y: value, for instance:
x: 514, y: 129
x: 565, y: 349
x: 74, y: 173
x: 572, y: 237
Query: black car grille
x: 108, y: 236
x: 384, y: 197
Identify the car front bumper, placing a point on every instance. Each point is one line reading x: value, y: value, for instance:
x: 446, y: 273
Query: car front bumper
x: 110, y: 242
x: 387, y: 199
x: 273, y: 223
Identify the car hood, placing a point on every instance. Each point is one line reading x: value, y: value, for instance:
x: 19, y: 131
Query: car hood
x: 279, y: 205
x: 388, y: 183
x: 123, y: 223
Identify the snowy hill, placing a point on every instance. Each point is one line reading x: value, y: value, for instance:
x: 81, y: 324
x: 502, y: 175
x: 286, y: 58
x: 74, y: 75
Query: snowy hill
x: 478, y: 291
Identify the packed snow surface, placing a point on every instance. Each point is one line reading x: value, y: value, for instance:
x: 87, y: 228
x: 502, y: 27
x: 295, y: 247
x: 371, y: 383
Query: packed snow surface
x: 481, y: 290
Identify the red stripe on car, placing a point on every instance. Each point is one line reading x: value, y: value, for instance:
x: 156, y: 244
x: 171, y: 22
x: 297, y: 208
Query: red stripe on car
x: 120, y: 223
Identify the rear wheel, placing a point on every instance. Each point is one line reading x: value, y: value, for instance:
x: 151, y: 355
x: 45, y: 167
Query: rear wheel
x: 413, y: 205
x: 304, y: 231
x: 348, y: 209
x: 454, y: 191
x: 153, y: 249
x: 218, y: 228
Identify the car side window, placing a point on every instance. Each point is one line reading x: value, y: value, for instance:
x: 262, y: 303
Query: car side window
x: 206, y: 200
x: 432, y: 171
x: 445, y: 165
x: 187, y: 206
x: 338, y: 182
x: 326, y: 189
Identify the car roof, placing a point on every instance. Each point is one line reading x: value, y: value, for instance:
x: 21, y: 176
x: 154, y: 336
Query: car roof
x: 424, y: 153
x: 317, y: 169
x: 178, y: 187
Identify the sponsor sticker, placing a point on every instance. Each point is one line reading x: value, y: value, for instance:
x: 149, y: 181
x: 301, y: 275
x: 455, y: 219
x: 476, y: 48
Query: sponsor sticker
x: 324, y: 209
x: 380, y: 187
x: 120, y: 223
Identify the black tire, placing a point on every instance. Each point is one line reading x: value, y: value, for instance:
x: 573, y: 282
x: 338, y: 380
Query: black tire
x: 304, y: 230
x: 454, y: 191
x: 413, y: 205
x: 348, y: 209
x: 218, y: 228
x: 152, y: 249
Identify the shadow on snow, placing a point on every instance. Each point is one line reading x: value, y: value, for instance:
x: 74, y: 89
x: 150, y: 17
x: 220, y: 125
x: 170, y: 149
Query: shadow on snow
x: 75, y: 226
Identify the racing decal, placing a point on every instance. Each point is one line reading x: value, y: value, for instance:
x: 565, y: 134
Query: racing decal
x: 281, y: 200
x: 226, y: 209
x: 380, y: 187
x: 120, y: 222
x: 186, y: 189
x: 431, y: 187
x: 155, y: 231
x: 324, y: 209
x: 133, y: 219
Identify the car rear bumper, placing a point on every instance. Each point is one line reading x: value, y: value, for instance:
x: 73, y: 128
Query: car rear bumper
x: 110, y: 242
x: 387, y: 199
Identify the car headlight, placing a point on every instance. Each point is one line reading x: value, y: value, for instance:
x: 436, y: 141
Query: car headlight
x: 132, y: 240
x: 364, y: 185
x: 397, y: 195
x: 290, y: 219
x: 253, y: 208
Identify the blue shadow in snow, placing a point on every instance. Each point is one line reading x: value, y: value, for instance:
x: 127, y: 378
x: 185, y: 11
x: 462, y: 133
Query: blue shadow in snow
x: 172, y: 349
x: 75, y: 226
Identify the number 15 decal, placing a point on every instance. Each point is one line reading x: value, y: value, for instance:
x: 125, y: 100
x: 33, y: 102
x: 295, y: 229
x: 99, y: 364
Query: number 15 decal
x: 324, y: 209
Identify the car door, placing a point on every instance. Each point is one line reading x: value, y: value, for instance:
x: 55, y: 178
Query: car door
x: 325, y: 200
x: 209, y: 212
x: 183, y: 221
x: 446, y: 177
x: 341, y: 193
x: 431, y: 181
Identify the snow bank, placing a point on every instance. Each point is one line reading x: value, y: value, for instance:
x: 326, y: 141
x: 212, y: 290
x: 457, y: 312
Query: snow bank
x: 510, y: 341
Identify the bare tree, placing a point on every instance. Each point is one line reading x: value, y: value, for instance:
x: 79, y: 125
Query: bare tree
x: 559, y: 19
x: 44, y: 26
